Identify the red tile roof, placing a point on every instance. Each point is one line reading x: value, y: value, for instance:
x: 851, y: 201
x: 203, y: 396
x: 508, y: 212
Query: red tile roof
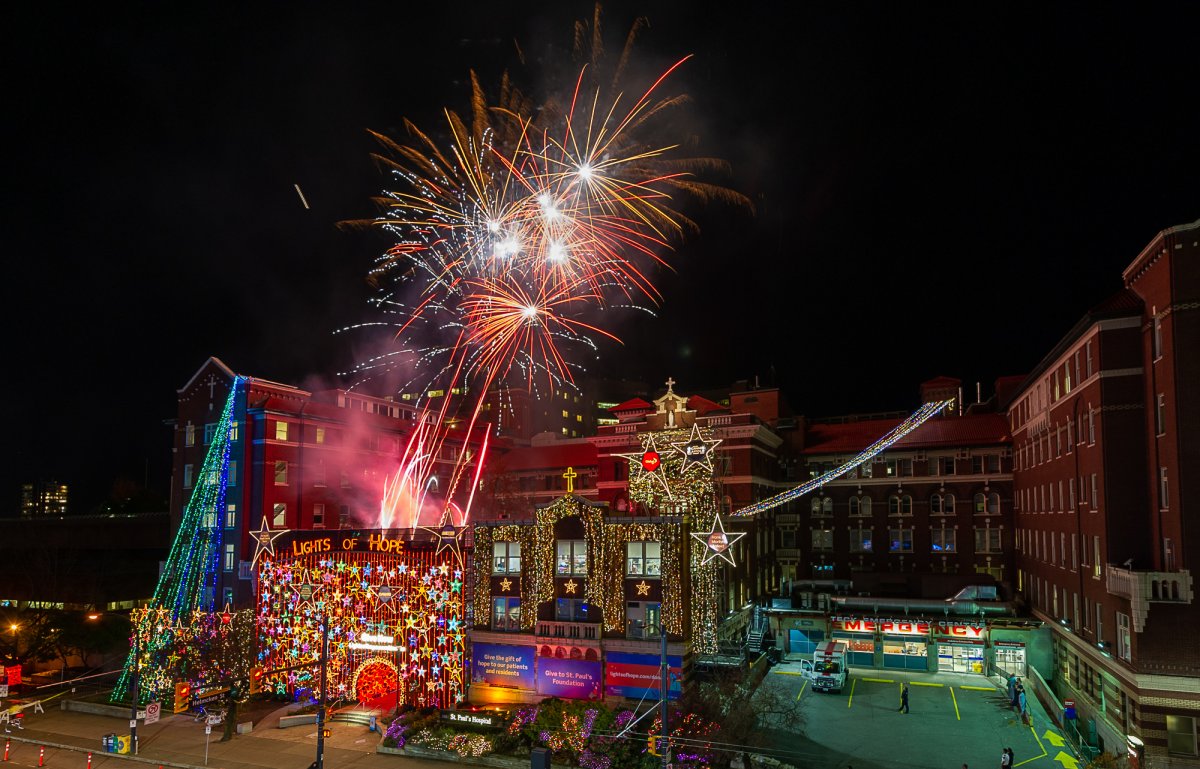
x: 702, y: 405
x: 633, y: 404
x: 851, y: 438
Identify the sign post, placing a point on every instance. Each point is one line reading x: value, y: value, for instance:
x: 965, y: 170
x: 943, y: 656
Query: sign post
x: 153, y: 710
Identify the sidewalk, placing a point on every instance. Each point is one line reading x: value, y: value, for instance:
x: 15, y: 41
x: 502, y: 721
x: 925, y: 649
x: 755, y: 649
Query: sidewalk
x: 178, y: 741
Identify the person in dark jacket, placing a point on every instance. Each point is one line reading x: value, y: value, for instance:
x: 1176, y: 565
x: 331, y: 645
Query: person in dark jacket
x: 904, y: 697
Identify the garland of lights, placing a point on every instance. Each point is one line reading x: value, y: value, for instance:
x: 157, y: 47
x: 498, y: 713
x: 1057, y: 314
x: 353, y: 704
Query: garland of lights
x: 918, y: 418
x: 188, y: 585
x: 543, y: 548
x: 424, y: 616
x: 484, y: 538
x: 607, y: 588
x: 687, y: 489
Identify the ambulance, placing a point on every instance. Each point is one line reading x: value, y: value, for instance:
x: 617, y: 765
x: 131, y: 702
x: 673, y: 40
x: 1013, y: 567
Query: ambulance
x: 827, y: 670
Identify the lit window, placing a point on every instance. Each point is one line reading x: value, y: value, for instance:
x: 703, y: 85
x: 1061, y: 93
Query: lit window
x: 320, y: 435
x: 230, y: 516
x: 1124, y: 645
x: 228, y: 558
x: 822, y: 539
x: 279, y: 518
x: 901, y: 540
x: 572, y: 557
x: 233, y: 430
x: 506, y: 613
x: 643, y: 559
x: 189, y: 435
x: 281, y: 472
x: 943, y: 540
x: 565, y: 414
x: 571, y: 609
x: 860, y: 540
x: 506, y: 558
x: 187, y: 476
x: 1181, y: 735
x: 281, y: 430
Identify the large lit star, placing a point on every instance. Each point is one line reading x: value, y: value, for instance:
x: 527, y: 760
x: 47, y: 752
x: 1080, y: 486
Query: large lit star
x: 264, y: 538
x: 647, y: 463
x: 643, y: 587
x: 717, y: 542
x: 696, y: 451
x: 448, y: 537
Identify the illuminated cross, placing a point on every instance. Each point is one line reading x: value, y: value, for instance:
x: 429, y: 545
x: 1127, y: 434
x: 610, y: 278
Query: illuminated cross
x: 212, y: 382
x: 570, y: 475
x: 670, y: 383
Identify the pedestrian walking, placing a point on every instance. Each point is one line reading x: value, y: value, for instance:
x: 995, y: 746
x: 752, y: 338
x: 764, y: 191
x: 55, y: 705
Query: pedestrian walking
x: 1012, y: 686
x: 904, y: 697
x: 1024, y: 706
x: 1005, y: 759
x: 1012, y: 760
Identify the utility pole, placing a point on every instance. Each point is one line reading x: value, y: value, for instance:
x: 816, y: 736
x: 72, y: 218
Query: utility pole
x: 664, y: 749
x: 320, y: 763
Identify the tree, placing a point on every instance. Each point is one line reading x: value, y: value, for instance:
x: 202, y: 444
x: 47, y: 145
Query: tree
x: 752, y: 712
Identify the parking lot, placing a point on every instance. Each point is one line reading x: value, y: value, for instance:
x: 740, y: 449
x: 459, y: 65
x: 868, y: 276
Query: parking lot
x: 953, y: 719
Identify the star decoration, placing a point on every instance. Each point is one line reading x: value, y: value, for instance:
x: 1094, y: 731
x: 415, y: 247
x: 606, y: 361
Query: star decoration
x: 696, y: 451
x: 717, y: 542
x: 643, y: 588
x: 264, y: 538
x: 647, y: 463
x: 571, y: 586
x: 506, y: 584
x: 448, y: 537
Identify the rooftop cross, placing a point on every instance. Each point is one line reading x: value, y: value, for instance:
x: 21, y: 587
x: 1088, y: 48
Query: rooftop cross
x: 570, y: 475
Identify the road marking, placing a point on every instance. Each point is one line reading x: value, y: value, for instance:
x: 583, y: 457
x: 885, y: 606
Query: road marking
x: 979, y: 688
x: 880, y: 680
x: 786, y: 673
x: 1067, y: 760
x: 798, y: 696
x: 850, y: 701
x: 1035, y: 758
x: 1054, y: 739
x: 923, y: 683
x: 956, y: 713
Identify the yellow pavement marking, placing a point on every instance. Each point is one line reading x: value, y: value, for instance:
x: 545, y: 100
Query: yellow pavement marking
x: 924, y: 683
x: 798, y: 696
x: 956, y: 713
x: 978, y: 688
x: 850, y: 701
x: 786, y: 673
x: 880, y: 680
x: 1035, y: 758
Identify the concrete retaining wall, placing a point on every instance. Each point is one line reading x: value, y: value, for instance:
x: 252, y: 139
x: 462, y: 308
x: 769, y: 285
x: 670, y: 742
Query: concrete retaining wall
x: 96, y: 708
x: 300, y: 720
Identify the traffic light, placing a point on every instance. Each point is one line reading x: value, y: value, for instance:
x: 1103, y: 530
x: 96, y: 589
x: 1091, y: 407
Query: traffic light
x: 256, y: 675
x: 652, y: 744
x: 183, y: 696
x: 326, y: 733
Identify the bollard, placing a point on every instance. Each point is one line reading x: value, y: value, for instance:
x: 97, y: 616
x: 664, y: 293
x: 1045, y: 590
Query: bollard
x: 42, y: 756
x: 7, y: 743
x: 89, y: 761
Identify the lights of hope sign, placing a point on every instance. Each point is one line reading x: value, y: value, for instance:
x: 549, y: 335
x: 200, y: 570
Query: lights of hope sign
x: 503, y: 665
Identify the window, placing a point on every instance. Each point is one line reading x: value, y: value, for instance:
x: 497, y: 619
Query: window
x: 822, y: 506
x: 1157, y: 341
x: 230, y: 516
x: 506, y: 558
x: 642, y: 619
x: 980, y: 502
x: 1095, y: 492
x: 1074, y: 552
x: 318, y: 473
x: 1071, y: 489
x: 900, y: 504
x: 1181, y: 735
x: 1099, y: 622
x: 233, y: 430
x: 1124, y: 647
x: 209, y: 519
x: 1091, y: 426
x: 1070, y: 435
x: 643, y: 558
x: 571, y: 609
x: 572, y: 557
x: 987, y: 540
x: 343, y: 516
x: 506, y: 613
x: 944, y: 466
x: 281, y: 430
x: 904, y: 467
x: 822, y: 539
x: 319, y: 515
x: 860, y: 540
x: 279, y: 516
x: 228, y: 564
x: 941, y: 504
x: 187, y: 476
x: 1089, y: 359
x: 281, y: 473
x: 1096, y: 557
x: 854, y: 507
x: 210, y: 430
x: 344, y: 479
x: 1160, y: 414
x: 901, y: 540
x: 860, y: 506
x: 943, y: 540
x: 787, y: 538
x: 320, y: 435
x: 189, y: 434
x: 1062, y: 548
x: 991, y: 463
x: 977, y: 465
x: 1163, y: 488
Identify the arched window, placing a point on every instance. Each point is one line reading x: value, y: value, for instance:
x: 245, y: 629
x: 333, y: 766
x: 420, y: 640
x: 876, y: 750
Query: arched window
x: 936, y: 505
x: 816, y: 506
x: 948, y: 504
x: 906, y: 505
x: 866, y: 505
x: 980, y: 503
x: 993, y: 503
x: 827, y: 506
x: 853, y: 505
x: 893, y: 505
x: 899, y: 504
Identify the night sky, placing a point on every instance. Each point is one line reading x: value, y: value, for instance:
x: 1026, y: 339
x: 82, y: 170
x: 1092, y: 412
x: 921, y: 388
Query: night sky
x: 940, y: 189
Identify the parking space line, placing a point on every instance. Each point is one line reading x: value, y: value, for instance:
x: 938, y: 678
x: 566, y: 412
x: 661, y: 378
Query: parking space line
x: 853, y: 683
x: 880, y: 680
x: 956, y: 713
x: 978, y: 688
x: 801, y: 694
x: 923, y: 683
x: 1040, y: 745
x: 786, y: 673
